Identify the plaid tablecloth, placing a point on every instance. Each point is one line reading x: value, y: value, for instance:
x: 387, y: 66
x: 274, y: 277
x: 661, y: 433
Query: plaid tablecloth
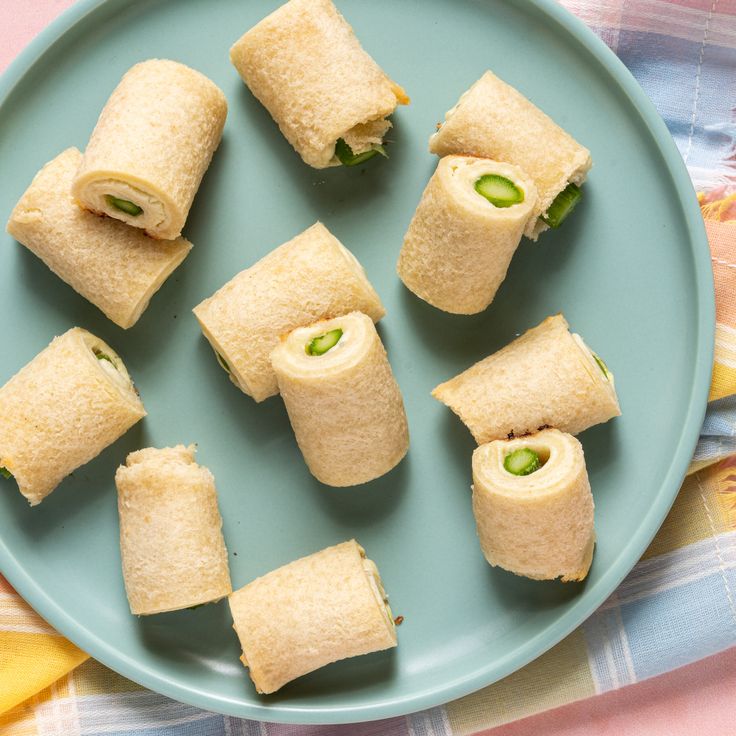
x: 678, y: 605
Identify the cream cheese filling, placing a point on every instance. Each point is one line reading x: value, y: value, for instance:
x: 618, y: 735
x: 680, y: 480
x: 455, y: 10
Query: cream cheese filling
x: 465, y: 173
x: 595, y: 370
x: 152, y: 217
x: 361, y: 138
x: 374, y: 580
x: 112, y: 372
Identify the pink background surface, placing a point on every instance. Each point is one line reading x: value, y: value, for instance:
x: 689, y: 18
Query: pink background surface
x: 696, y: 700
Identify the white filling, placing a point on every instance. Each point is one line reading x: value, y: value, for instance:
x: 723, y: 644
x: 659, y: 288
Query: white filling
x: 374, y: 579
x: 591, y: 364
x: 364, y: 136
x: 154, y: 211
x: 466, y: 172
x: 113, y: 373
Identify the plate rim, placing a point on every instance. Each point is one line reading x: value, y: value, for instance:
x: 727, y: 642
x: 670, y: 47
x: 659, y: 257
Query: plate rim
x: 470, y: 682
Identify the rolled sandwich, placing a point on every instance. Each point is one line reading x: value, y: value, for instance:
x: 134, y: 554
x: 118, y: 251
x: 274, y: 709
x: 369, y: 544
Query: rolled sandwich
x: 545, y: 378
x: 328, y: 96
x: 494, y: 120
x: 322, y: 608
x: 171, y: 541
x: 116, y: 267
x: 465, y: 231
x: 343, y: 400
x: 67, y: 405
x: 309, y: 278
x: 533, y: 507
x: 151, y: 146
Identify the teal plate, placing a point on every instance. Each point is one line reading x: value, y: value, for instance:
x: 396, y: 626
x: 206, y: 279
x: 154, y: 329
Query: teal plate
x: 630, y: 270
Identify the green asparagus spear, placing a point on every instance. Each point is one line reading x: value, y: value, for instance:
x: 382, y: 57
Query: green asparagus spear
x: 347, y: 158
x: 103, y: 356
x: 602, y: 366
x: 222, y: 362
x: 563, y: 205
x: 321, y: 344
x: 130, y: 208
x: 5, y: 473
x: 498, y: 190
x: 523, y: 461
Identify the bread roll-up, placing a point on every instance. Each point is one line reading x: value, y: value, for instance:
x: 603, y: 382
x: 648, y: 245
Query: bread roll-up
x: 171, y: 541
x: 67, y: 405
x: 116, y: 267
x: 546, y: 377
x: 494, y: 120
x: 343, y: 400
x: 311, y: 277
x: 151, y: 146
x: 319, y: 609
x: 538, y: 524
x: 307, y: 68
x: 460, y: 242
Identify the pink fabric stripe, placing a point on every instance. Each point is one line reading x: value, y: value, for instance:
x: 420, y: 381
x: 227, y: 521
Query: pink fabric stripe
x: 697, y: 699
x: 391, y: 727
x: 21, y: 20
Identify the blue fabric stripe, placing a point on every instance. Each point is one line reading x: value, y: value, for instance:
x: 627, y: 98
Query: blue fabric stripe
x: 680, y: 625
x: 667, y: 69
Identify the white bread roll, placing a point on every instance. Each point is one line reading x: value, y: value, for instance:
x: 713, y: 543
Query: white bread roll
x: 345, y: 406
x: 311, y: 277
x: 494, y: 120
x: 319, y: 609
x: 151, y: 146
x: 116, y: 267
x: 459, y: 245
x: 307, y: 68
x: 67, y: 405
x: 545, y: 378
x: 538, y: 525
x: 171, y: 541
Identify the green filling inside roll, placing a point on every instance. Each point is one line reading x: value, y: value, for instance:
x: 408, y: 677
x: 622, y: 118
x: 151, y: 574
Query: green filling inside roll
x: 523, y: 461
x: 498, y: 190
x: 222, y: 362
x: 347, y: 158
x: 5, y: 473
x: 130, y: 208
x: 602, y: 366
x: 321, y: 344
x: 564, y: 203
x: 102, y: 356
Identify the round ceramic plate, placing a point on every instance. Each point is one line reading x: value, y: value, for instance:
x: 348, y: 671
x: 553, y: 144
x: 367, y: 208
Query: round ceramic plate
x: 630, y: 270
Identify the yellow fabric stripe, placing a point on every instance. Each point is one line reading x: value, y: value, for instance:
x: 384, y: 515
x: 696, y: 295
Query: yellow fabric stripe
x: 723, y: 382
x: 32, y: 662
x: 557, y: 677
x: 695, y: 515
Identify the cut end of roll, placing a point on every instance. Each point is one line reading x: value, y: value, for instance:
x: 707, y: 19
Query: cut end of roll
x: 319, y: 609
x: 173, y: 552
x: 465, y: 231
x: 538, y: 525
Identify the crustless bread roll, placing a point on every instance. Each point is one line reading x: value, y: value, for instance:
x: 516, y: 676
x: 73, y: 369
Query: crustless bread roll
x: 343, y: 401
x: 307, y: 68
x: 533, y: 507
x: 171, y: 541
x: 67, y: 405
x: 465, y: 231
x: 151, y: 146
x: 494, y: 120
x: 311, y: 277
x: 116, y: 267
x: 322, y: 608
x: 546, y: 377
